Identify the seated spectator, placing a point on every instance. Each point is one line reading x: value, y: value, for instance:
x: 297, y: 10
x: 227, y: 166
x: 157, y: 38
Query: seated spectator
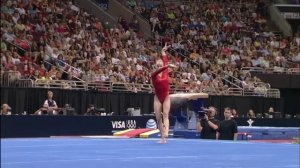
x: 270, y: 113
x: 130, y: 3
x: 91, y: 111
x: 5, y: 109
x: 234, y: 113
x: 49, y: 106
x: 67, y: 110
x: 251, y: 114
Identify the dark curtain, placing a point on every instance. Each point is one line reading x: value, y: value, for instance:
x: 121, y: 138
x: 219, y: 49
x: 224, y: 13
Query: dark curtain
x: 281, y: 81
x: 31, y: 99
x: 291, y: 100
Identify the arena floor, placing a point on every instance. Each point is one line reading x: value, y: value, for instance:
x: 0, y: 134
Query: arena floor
x: 96, y: 152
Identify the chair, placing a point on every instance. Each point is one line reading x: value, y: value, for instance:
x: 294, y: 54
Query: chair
x: 259, y: 115
x: 277, y: 115
x: 134, y: 111
x: 288, y: 116
x: 102, y: 111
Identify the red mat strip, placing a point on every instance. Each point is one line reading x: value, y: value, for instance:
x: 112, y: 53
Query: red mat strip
x: 136, y: 132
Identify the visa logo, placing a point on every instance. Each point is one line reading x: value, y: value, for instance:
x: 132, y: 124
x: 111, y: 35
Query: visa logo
x: 118, y: 124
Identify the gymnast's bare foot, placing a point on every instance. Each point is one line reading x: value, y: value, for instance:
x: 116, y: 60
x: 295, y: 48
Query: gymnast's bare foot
x: 163, y: 141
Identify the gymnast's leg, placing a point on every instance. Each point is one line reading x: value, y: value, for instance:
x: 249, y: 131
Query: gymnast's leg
x: 157, y: 111
x: 166, y: 112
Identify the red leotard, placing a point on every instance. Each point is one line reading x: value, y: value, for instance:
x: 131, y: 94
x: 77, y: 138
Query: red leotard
x: 161, y: 83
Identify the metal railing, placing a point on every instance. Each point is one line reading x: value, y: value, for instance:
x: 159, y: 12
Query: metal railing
x: 60, y: 84
x: 251, y: 92
x: 108, y: 86
x: 272, y: 70
x: 235, y: 91
x: 71, y: 68
x: 293, y: 71
x: 98, y: 86
x: 273, y: 93
x: 25, y: 83
x: 10, y: 78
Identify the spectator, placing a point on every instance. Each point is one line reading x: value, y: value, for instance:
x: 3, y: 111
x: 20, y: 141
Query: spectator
x: 49, y: 107
x: 234, y: 113
x: 5, y: 109
x: 91, y: 111
x: 228, y: 128
x: 251, y: 114
x: 270, y: 113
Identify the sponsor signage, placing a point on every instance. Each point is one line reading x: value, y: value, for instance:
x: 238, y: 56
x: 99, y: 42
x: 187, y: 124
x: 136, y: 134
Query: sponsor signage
x: 151, y: 123
x: 126, y: 124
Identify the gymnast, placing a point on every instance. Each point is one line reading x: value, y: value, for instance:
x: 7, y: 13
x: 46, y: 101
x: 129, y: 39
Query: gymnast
x: 162, y: 99
x: 162, y: 102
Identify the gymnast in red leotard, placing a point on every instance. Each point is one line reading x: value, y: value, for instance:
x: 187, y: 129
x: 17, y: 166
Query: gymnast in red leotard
x: 162, y: 102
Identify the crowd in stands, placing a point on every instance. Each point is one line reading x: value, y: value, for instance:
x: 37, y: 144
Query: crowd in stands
x: 211, y: 43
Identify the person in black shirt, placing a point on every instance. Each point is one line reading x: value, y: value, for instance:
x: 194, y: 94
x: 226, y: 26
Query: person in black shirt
x: 208, y: 125
x: 91, y: 111
x: 227, y: 128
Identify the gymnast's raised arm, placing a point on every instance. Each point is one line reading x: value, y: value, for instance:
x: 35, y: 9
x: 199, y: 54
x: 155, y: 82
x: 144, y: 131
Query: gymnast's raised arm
x: 159, y: 71
x: 164, y: 56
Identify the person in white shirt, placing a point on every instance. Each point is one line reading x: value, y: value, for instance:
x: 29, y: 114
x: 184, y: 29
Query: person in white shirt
x: 5, y: 109
x: 50, y: 105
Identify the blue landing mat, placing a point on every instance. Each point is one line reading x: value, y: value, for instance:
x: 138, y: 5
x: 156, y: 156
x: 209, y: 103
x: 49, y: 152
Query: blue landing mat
x: 256, y: 133
x: 145, y: 153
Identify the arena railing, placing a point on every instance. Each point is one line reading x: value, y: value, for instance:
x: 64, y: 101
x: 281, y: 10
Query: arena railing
x: 262, y: 84
x: 13, y: 79
x: 10, y: 78
x: 235, y: 83
x: 138, y: 88
x: 60, y: 84
x: 123, y: 87
x: 71, y: 68
x: 252, y: 69
x: 273, y: 93
x: 235, y: 91
x: 108, y: 86
x: 98, y: 86
x: 272, y: 70
x: 25, y: 83
x: 178, y: 89
x: 252, y: 92
x: 293, y: 71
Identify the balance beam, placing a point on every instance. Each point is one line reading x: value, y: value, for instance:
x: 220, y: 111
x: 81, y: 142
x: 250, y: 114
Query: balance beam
x: 189, y: 96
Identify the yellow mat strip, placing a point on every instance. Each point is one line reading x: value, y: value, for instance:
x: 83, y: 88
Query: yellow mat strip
x: 121, y: 132
x: 146, y: 134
